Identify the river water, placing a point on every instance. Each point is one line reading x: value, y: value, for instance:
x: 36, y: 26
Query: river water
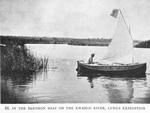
x: 60, y: 83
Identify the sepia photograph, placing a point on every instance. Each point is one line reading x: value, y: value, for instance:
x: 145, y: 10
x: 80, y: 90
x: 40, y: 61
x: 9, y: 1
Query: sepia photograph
x: 75, y: 52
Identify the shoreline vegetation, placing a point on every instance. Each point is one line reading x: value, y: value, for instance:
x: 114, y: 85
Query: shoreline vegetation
x: 22, y: 40
x: 16, y: 58
x: 143, y: 44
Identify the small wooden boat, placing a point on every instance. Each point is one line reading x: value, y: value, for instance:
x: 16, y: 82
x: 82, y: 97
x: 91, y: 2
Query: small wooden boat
x: 120, y: 47
x: 118, y: 70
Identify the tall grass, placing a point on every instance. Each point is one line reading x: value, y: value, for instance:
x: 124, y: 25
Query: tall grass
x: 19, y: 59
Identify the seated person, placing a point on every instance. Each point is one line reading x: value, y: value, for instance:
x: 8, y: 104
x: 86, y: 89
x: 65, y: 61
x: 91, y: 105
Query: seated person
x: 90, y: 61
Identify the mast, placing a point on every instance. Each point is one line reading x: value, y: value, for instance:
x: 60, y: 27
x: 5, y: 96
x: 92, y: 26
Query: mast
x: 132, y: 39
x: 125, y: 23
x: 129, y: 30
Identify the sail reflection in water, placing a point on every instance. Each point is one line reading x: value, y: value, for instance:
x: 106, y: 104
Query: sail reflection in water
x: 118, y: 90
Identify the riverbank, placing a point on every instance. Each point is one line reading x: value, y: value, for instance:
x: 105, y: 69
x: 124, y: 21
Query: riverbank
x: 21, y: 40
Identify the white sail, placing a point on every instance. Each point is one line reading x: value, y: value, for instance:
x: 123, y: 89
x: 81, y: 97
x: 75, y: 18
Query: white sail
x: 121, y: 47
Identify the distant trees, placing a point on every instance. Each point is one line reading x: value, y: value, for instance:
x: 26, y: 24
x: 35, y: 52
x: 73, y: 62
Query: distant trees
x: 144, y: 44
x: 21, y: 40
x: 90, y: 42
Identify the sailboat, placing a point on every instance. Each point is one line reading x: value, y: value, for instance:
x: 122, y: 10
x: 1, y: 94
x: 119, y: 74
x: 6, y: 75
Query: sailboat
x: 118, y: 59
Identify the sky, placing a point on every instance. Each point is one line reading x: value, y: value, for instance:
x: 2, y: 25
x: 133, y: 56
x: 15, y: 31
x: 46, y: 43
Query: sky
x: 73, y: 18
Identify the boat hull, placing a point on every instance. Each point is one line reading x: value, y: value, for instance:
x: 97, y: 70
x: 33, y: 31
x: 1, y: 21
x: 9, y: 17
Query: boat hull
x: 126, y: 70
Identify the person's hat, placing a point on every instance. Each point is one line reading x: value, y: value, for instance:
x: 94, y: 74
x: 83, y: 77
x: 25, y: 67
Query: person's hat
x: 92, y: 54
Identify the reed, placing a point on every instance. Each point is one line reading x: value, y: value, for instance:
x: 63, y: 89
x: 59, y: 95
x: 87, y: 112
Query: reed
x: 18, y: 58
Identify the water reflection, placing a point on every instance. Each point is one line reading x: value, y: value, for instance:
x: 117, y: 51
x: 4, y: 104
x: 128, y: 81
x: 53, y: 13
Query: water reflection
x: 12, y: 84
x: 90, y: 80
x: 121, y: 92
x: 15, y: 86
x: 117, y: 89
x: 18, y: 78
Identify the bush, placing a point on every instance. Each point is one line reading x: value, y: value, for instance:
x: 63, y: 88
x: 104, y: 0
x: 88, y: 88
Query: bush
x: 18, y: 58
